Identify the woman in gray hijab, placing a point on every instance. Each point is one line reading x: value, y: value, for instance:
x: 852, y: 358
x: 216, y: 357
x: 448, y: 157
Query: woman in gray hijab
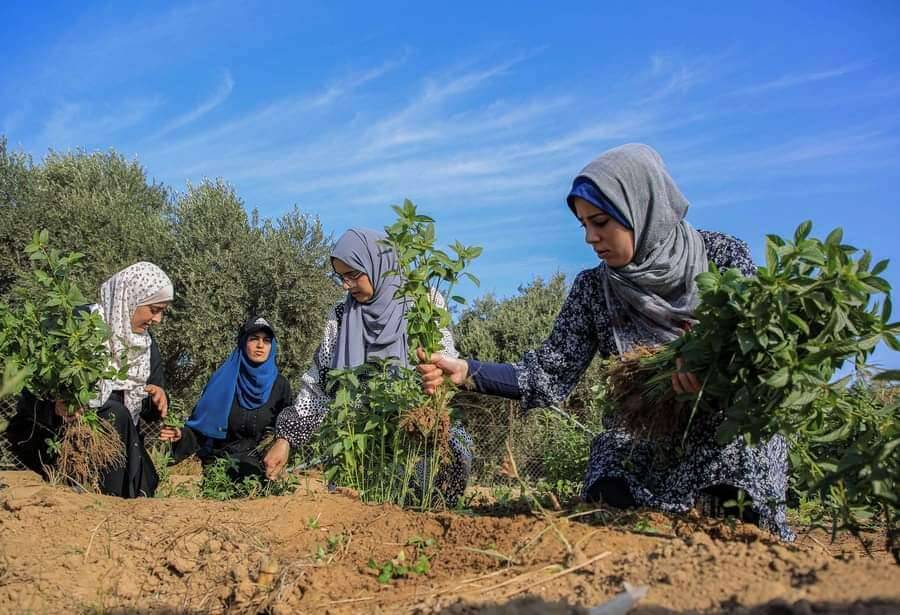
x: 369, y: 323
x: 641, y: 294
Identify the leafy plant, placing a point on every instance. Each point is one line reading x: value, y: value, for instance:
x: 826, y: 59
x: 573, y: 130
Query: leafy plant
x: 13, y: 379
x: 329, y: 550
x: 219, y: 482
x: 386, y: 438
x: 399, y: 567
x: 766, y: 348
x: 58, y: 346
x: 740, y: 502
x: 370, y: 452
x: 59, y: 350
x: 175, y: 417
x: 425, y: 270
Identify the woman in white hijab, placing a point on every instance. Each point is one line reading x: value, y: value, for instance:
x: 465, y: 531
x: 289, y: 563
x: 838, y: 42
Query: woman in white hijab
x: 131, y: 301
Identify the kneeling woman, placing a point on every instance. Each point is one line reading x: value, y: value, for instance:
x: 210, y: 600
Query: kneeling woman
x: 239, y: 406
x: 642, y: 294
x: 369, y: 324
x: 130, y: 302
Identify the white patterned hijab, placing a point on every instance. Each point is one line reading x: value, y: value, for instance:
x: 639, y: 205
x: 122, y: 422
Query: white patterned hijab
x: 657, y: 287
x: 140, y: 284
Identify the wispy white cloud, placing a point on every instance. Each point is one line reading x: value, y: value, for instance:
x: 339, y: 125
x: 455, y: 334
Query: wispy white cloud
x: 72, y: 124
x: 794, y: 80
x: 344, y: 86
x: 218, y: 97
x: 831, y: 154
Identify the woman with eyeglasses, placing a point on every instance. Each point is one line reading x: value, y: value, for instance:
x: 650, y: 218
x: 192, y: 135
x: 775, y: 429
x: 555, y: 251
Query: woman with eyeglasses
x: 369, y: 323
x: 642, y: 294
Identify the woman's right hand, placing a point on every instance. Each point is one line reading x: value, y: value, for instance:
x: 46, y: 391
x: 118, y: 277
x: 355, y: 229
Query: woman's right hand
x: 276, y: 458
x: 170, y: 434
x: 440, y: 366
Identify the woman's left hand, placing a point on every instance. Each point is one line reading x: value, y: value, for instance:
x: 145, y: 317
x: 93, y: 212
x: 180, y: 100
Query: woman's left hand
x: 684, y: 382
x: 158, y: 399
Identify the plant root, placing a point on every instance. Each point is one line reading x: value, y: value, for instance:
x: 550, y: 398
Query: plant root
x: 639, y: 412
x: 86, y: 451
x: 431, y: 425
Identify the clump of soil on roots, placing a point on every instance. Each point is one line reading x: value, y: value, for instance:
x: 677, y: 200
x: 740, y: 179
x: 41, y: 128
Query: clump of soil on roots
x: 86, y: 450
x: 638, y: 413
x: 431, y: 425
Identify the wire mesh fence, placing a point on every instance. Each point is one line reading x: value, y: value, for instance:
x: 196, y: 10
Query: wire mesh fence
x: 494, y: 425
x: 8, y: 460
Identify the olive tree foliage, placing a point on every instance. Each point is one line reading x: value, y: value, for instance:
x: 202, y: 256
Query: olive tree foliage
x: 225, y: 264
x: 228, y: 266
x: 97, y: 203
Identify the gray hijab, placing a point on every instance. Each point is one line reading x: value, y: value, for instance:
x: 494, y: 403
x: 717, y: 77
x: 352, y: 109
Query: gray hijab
x: 376, y: 329
x: 657, y: 287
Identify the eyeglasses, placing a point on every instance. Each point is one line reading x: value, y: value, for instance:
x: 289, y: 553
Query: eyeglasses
x: 349, y: 278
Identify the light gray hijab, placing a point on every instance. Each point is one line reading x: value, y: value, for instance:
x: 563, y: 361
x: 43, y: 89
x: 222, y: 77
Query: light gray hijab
x: 376, y: 329
x: 657, y: 287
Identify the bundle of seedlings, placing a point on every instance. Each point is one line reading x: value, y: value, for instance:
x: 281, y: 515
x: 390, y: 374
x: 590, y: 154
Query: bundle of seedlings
x: 389, y: 439
x: 766, y: 349
x: 61, y: 348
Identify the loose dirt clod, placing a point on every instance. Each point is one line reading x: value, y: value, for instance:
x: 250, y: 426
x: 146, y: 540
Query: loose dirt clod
x: 431, y: 425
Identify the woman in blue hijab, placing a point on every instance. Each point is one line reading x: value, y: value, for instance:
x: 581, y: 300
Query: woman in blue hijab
x: 239, y: 406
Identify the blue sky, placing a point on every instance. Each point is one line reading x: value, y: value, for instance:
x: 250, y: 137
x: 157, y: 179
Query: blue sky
x: 481, y: 113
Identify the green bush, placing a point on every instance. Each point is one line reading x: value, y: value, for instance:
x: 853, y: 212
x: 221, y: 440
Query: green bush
x: 766, y: 348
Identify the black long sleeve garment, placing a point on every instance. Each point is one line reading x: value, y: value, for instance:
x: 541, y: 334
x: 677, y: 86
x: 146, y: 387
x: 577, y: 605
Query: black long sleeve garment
x: 247, y: 428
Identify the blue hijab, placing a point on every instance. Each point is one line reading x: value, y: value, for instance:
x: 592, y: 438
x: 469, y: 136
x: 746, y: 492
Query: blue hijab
x: 586, y: 189
x: 238, y: 377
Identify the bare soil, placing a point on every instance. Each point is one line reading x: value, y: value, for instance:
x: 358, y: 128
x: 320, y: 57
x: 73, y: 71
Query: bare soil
x: 62, y: 551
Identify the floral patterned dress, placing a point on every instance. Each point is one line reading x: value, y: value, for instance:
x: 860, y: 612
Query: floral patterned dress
x: 657, y: 475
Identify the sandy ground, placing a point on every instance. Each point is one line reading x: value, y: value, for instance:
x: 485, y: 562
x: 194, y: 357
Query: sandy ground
x: 61, y: 551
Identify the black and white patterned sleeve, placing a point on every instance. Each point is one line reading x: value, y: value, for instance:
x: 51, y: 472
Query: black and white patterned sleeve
x: 448, y: 347
x: 299, y: 423
x: 728, y: 252
x: 548, y: 374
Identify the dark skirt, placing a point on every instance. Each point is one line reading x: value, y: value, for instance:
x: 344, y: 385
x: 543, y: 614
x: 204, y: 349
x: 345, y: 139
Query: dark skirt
x: 35, y: 422
x: 656, y: 475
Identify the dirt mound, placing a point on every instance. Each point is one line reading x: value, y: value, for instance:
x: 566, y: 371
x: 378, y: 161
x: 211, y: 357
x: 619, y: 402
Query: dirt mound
x: 62, y: 551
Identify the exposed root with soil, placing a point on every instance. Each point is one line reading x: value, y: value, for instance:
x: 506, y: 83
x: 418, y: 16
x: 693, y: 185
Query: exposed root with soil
x: 86, y: 450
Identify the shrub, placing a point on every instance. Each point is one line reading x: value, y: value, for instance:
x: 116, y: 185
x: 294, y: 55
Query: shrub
x: 62, y: 352
x: 766, y: 348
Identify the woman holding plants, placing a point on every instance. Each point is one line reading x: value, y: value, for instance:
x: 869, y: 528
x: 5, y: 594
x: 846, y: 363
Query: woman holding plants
x: 235, y: 417
x: 369, y: 324
x: 642, y: 294
x: 131, y: 301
